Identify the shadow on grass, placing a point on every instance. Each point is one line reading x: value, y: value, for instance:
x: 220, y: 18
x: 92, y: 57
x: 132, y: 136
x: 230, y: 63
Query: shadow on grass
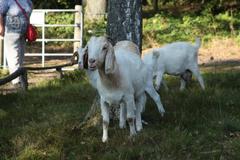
x: 33, y: 122
x: 221, y: 66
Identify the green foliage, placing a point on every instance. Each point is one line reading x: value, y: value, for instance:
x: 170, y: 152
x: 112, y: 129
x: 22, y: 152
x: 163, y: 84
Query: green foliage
x: 60, y: 18
x: 57, y: 4
x: 96, y: 28
x: 163, y: 28
x: 59, y: 32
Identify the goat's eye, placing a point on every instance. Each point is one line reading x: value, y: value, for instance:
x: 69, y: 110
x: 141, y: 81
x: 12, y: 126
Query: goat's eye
x: 105, y: 47
x: 85, y: 51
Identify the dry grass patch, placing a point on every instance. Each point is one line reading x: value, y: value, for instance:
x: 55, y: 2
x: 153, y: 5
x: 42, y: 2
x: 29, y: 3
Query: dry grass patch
x: 220, y: 50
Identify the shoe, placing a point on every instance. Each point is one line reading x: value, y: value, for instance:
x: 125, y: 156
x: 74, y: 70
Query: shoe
x: 20, y: 87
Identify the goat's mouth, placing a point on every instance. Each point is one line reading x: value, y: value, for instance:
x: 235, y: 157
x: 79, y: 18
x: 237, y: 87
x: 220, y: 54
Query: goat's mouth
x: 80, y: 66
x: 92, y: 67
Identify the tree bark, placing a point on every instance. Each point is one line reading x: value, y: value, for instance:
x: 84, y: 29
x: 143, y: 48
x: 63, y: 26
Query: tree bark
x: 155, y: 5
x: 95, y: 9
x: 125, y: 21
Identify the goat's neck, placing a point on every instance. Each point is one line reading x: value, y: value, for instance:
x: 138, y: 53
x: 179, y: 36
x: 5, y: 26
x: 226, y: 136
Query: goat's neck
x: 110, y: 80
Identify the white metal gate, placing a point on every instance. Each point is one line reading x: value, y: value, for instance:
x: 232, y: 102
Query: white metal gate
x: 38, y: 19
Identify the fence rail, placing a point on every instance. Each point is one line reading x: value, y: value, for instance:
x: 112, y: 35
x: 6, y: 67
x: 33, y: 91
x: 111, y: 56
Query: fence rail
x: 38, y: 18
x: 23, y: 71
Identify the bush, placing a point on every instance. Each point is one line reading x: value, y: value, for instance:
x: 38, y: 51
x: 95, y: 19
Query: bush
x: 163, y: 28
x: 60, y: 18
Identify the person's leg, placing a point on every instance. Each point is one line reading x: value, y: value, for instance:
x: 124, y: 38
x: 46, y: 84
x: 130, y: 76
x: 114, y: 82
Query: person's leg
x: 22, y: 46
x: 14, y: 55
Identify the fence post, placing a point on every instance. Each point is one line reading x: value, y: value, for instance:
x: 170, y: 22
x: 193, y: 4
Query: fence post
x: 1, y: 51
x: 78, y: 30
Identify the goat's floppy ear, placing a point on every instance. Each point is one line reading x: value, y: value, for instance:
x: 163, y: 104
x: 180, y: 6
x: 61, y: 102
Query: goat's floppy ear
x: 109, y: 59
x: 85, y: 58
x: 109, y: 39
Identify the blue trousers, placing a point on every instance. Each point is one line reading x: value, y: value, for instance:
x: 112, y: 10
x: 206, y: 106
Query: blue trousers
x: 15, y: 43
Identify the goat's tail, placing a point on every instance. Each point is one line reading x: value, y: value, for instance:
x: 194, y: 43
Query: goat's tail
x: 197, y: 43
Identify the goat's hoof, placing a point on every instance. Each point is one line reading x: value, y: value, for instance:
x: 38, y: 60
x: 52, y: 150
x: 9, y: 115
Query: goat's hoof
x: 132, y: 138
x: 104, y: 139
x: 144, y: 122
x: 133, y: 134
x: 139, y: 128
x: 182, y: 89
x: 162, y: 113
x: 122, y: 125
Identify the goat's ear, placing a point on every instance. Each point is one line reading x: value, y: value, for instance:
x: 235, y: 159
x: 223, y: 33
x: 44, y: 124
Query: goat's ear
x: 109, y: 39
x: 109, y: 60
x: 85, y: 58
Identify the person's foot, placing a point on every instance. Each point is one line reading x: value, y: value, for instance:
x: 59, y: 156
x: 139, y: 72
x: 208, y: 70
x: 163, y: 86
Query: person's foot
x: 19, y: 87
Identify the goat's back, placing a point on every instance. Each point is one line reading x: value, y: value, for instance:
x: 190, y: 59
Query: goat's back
x: 132, y: 67
x: 176, y: 57
x: 127, y: 45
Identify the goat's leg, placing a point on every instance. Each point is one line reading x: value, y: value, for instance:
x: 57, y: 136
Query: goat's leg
x: 131, y: 109
x: 154, y: 95
x: 183, y: 84
x: 123, y: 116
x: 105, y: 116
x: 140, y: 105
x: 197, y: 74
x: 165, y: 84
x: 159, y: 77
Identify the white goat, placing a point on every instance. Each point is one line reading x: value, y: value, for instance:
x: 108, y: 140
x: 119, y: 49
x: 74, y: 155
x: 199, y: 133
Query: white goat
x: 178, y: 58
x: 122, y: 79
x: 130, y: 47
x: 93, y: 74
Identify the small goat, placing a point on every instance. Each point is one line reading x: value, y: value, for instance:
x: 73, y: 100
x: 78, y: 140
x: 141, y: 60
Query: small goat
x: 121, y: 80
x: 178, y: 58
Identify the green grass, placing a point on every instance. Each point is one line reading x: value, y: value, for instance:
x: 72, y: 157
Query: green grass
x: 198, y: 124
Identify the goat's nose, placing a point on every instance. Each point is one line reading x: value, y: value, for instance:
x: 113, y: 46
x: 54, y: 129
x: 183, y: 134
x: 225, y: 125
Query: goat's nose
x: 91, y: 60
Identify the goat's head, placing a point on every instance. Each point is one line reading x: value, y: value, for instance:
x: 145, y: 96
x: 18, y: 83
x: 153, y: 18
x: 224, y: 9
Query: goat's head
x: 82, y: 58
x: 100, y: 54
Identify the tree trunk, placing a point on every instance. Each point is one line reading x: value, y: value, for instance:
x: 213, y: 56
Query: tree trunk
x: 144, y: 2
x: 95, y: 9
x: 125, y: 21
x: 155, y: 5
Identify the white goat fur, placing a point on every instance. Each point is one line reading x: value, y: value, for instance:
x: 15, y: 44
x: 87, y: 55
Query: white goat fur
x: 93, y: 75
x: 174, y: 59
x: 130, y: 47
x: 121, y: 81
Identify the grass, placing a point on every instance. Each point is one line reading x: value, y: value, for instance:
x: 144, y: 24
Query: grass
x: 198, y: 124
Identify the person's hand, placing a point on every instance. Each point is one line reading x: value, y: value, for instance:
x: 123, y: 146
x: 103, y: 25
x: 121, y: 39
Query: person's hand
x: 2, y: 30
x: 2, y: 27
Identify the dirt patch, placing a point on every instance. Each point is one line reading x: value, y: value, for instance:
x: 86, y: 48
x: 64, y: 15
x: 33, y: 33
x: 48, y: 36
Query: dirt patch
x: 220, y: 50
